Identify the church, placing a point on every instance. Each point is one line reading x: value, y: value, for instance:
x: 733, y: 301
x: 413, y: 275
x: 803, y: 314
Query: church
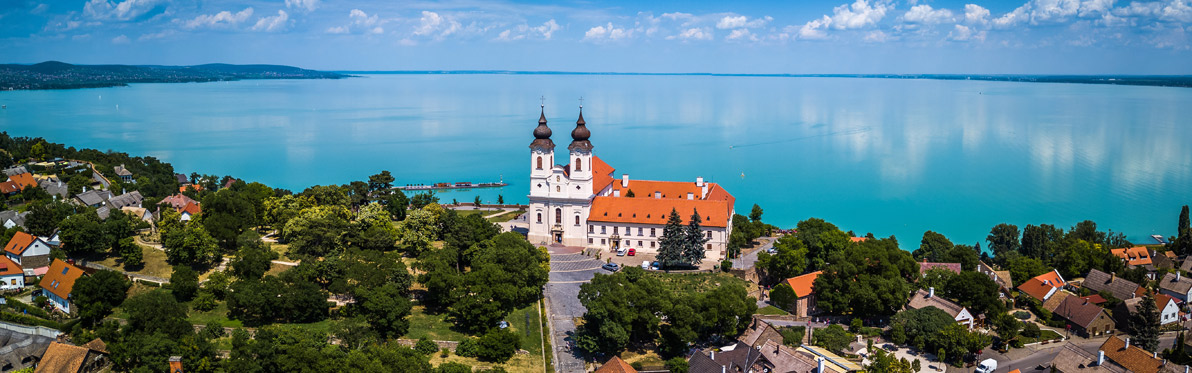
x: 583, y: 204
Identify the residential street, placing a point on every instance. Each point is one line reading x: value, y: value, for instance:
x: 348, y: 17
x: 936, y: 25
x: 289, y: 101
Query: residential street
x: 569, y: 270
x: 1027, y: 358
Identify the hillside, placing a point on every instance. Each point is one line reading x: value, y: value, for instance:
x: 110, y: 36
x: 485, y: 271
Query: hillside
x: 60, y: 75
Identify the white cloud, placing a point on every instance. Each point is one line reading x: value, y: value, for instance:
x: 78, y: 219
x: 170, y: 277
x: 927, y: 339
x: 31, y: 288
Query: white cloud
x: 815, y: 29
x: 120, y: 40
x: 859, y: 14
x: 305, y: 5
x: 123, y: 11
x: 965, y: 33
x: 1050, y: 11
x: 876, y: 36
x: 547, y: 29
x: 360, y: 18
x: 976, y: 14
x: 274, y: 23
x: 221, y: 19
x: 677, y: 16
x: 738, y: 21
x: 923, y: 13
x: 156, y: 35
x: 693, y: 33
x: 360, y: 21
x: 40, y: 8
x: 523, y: 31
x: 437, y: 26
x: 741, y: 34
x: 610, y: 33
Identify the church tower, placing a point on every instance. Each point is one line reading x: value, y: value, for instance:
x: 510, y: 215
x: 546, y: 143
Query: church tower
x: 542, y: 154
x: 581, y: 155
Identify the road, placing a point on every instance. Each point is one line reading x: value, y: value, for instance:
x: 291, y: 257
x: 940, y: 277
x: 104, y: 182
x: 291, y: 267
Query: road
x: 569, y: 270
x: 1027, y: 358
x: 750, y: 258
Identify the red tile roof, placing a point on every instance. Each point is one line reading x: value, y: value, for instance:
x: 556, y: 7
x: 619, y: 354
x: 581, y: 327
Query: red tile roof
x: 177, y: 201
x: 1041, y: 285
x: 24, y: 180
x: 1133, y: 358
x: 60, y: 279
x: 858, y: 239
x: 1134, y: 256
x: 1094, y: 299
x: 602, y: 175
x: 641, y: 210
x: 616, y: 365
x: 9, y: 187
x: 19, y: 242
x: 927, y: 266
x: 803, y: 285
x: 9, y: 267
x: 192, y: 208
x: 61, y: 357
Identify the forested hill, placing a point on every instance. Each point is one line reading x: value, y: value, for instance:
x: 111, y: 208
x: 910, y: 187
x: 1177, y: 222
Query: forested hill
x: 60, y: 75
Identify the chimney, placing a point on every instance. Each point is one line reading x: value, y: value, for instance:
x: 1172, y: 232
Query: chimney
x: 690, y: 195
x: 699, y: 181
x: 713, y: 355
x: 616, y: 193
x: 658, y: 194
x: 819, y: 365
x: 175, y: 364
x: 1127, y: 344
x: 1177, y: 276
x: 1112, y: 277
x: 723, y: 369
x: 1101, y: 358
x: 624, y: 180
x: 84, y: 189
x: 703, y: 191
x: 930, y: 292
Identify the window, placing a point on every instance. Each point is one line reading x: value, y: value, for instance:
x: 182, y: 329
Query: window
x: 577, y: 220
x: 559, y: 215
x: 651, y: 244
x: 639, y: 231
x: 589, y: 240
x: 579, y: 165
x: 652, y: 232
x: 639, y: 244
x: 601, y: 241
x: 540, y: 218
x: 558, y: 188
x: 64, y: 270
x: 616, y: 230
x: 539, y: 162
x: 709, y: 235
x: 602, y: 229
x: 591, y: 228
x: 709, y: 246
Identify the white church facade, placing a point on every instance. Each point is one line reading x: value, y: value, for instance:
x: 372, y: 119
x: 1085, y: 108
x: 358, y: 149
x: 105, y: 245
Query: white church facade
x: 582, y: 204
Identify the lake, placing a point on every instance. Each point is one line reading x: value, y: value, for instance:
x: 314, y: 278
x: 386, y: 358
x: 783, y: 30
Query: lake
x: 892, y: 157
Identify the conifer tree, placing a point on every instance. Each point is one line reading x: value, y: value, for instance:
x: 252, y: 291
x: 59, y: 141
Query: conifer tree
x: 1145, y: 324
x: 693, y: 246
x: 671, y: 244
x: 1183, y: 241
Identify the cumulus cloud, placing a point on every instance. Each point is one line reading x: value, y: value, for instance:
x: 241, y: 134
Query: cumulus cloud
x: 741, y: 34
x: 523, y: 31
x: 965, y: 33
x: 859, y: 14
x: 122, y: 11
x: 694, y: 33
x: 1171, y: 10
x: 305, y: 5
x: 976, y: 14
x: 271, y: 24
x: 1050, y: 11
x: 876, y: 36
x: 924, y: 14
x: 437, y: 26
x: 360, y: 21
x: 815, y: 29
x: 607, y: 33
x: 221, y: 19
x: 737, y: 21
x: 120, y: 40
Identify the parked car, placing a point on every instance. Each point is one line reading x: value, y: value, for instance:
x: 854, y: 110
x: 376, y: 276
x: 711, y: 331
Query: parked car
x: 646, y: 265
x: 621, y: 251
x: 611, y: 267
x: 771, y: 251
x: 987, y: 366
x: 655, y: 266
x: 632, y: 252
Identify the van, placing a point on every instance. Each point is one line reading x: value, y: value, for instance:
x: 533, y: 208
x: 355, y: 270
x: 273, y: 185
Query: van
x: 987, y: 366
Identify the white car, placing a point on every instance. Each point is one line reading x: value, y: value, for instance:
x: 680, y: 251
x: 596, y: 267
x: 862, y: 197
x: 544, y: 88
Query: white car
x: 987, y: 366
x: 622, y: 251
x: 646, y: 265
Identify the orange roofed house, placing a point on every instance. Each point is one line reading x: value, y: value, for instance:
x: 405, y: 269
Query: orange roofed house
x: 59, y: 282
x: 1134, y: 256
x: 27, y: 250
x: 804, y: 287
x: 1043, y: 286
x: 582, y: 204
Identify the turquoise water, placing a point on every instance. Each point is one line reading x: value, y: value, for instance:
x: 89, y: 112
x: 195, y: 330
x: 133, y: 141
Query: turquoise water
x: 892, y: 157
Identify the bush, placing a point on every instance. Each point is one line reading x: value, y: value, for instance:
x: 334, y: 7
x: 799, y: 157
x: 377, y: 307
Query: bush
x: 677, y: 365
x: 1017, y: 343
x: 28, y: 320
x: 726, y: 265
x: 204, y: 302
x: 783, y: 296
x: 856, y: 325
x: 1022, y: 315
x: 793, y: 335
x: 467, y: 348
x: 1030, y: 330
x: 185, y: 282
x: 443, y: 353
x: 498, y: 345
x: 636, y: 365
x: 453, y: 367
x: 425, y: 346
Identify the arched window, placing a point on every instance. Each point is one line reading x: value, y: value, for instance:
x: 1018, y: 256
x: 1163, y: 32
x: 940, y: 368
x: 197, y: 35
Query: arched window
x: 539, y: 162
x: 577, y: 220
x: 540, y: 218
x: 579, y: 165
x: 559, y: 215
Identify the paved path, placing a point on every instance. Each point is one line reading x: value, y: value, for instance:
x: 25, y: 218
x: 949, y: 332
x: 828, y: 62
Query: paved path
x: 569, y: 270
x: 1027, y: 358
x: 750, y: 258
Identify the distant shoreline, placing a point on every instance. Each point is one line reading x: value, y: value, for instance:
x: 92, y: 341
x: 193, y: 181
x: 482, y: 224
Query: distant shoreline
x: 53, y: 75
x: 1178, y: 81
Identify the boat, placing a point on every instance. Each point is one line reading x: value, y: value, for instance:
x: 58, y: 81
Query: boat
x: 1159, y: 239
x: 455, y: 185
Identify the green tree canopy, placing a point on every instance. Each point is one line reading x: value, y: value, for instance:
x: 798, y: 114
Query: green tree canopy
x: 867, y: 280
x: 96, y: 295
x: 789, y: 260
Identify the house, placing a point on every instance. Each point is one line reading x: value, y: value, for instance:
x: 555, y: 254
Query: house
x: 93, y: 198
x: 858, y: 239
x: 55, y: 187
x: 1177, y: 286
x: 1164, y: 260
x: 1134, y: 358
x: 123, y: 173
x: 1134, y: 256
x: 805, y: 304
x: 613, y: 365
x: 177, y: 201
x: 131, y: 199
x: 828, y: 361
x: 138, y: 213
x: 758, y: 332
x: 927, y: 298
x: 11, y: 218
x: 1095, y: 299
x: 739, y: 357
x: 176, y: 364
x: 777, y: 357
x: 61, y: 357
x: 18, y: 182
x: 1073, y: 359
x: 1169, y: 309
x: 182, y: 179
x: 1187, y: 265
x: 59, y: 282
x: 190, y: 211
x: 27, y: 250
x: 1120, y: 288
x: 927, y: 266
x: 1056, y: 299
x: 15, y: 170
x: 12, y: 276
x: 21, y: 346
x: 1084, y: 317
x: 772, y: 356
x: 1043, y: 286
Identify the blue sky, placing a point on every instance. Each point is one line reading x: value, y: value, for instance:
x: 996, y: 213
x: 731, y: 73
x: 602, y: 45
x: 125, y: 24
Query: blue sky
x: 796, y: 36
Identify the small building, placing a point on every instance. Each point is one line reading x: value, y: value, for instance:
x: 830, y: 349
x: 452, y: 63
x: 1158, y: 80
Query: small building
x: 927, y: 298
x: 27, y: 250
x: 805, y: 304
x: 1169, y: 309
x: 1056, y: 299
x: 130, y: 199
x: 16, y: 183
x: 770, y: 356
x: 59, y: 282
x: 93, y: 198
x: 123, y: 173
x: 1134, y: 358
x: 191, y: 211
x: 15, y: 170
x: 1043, y: 286
x: 12, y: 218
x: 613, y: 365
x: 1002, y: 278
x: 1120, y: 288
x: 182, y: 179
x: 758, y: 332
x: 61, y: 358
x: 1085, y: 318
x: 55, y: 187
x: 138, y: 213
x: 12, y: 276
x: 1073, y: 359
x: 1134, y: 256
x: 1177, y: 286
x: 22, y: 346
x: 927, y: 266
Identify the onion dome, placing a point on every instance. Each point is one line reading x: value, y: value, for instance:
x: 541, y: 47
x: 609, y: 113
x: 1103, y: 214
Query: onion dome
x: 580, y: 134
x: 542, y: 134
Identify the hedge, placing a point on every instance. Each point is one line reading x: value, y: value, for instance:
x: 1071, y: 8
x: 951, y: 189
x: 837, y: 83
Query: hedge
x: 29, y: 320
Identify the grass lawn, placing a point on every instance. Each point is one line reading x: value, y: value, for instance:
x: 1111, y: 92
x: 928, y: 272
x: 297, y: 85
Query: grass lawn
x: 283, y: 250
x: 219, y: 313
x: 155, y: 263
x: 771, y: 310
x: 1045, y: 335
x: 647, y: 358
x: 275, y: 269
x: 526, y: 322
x: 519, y: 363
x: 465, y: 213
x: 432, y: 326
x: 697, y: 282
x: 506, y: 216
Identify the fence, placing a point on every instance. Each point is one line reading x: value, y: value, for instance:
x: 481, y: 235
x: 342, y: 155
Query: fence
x: 30, y: 330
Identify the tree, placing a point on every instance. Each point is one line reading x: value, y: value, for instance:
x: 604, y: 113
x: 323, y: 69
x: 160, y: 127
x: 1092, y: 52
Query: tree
x: 834, y: 338
x: 934, y: 247
x: 185, y: 282
x: 937, y: 277
x: 426, y: 346
x: 1003, y: 240
x: 83, y: 234
x: 1183, y: 242
x: 419, y: 229
x: 694, y: 239
x: 755, y: 214
x: 1006, y: 326
x: 423, y: 199
x: 476, y: 202
x: 1145, y: 324
x: 453, y: 367
x: 386, y: 308
x: 507, y: 273
x: 867, y: 280
x: 671, y: 244
x: 1041, y: 241
x: 975, y: 291
x: 677, y: 364
x: 783, y: 296
x: 130, y: 252
x: 189, y: 245
x: 157, y: 312
x: 397, y: 203
x: 254, y: 258
x: 1024, y: 268
x: 793, y: 335
x: 317, y: 231
x: 227, y: 214
x: 381, y: 182
x: 882, y: 361
x: 500, y: 199
x: 96, y: 295
x: 612, y: 321
x: 823, y: 239
x: 497, y: 345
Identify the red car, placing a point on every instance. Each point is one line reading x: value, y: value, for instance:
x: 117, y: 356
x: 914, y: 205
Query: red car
x: 632, y: 252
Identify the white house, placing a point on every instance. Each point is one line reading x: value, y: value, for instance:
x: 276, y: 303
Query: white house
x: 1176, y: 286
x: 59, y: 282
x: 27, y: 250
x: 12, y: 276
x: 927, y: 298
